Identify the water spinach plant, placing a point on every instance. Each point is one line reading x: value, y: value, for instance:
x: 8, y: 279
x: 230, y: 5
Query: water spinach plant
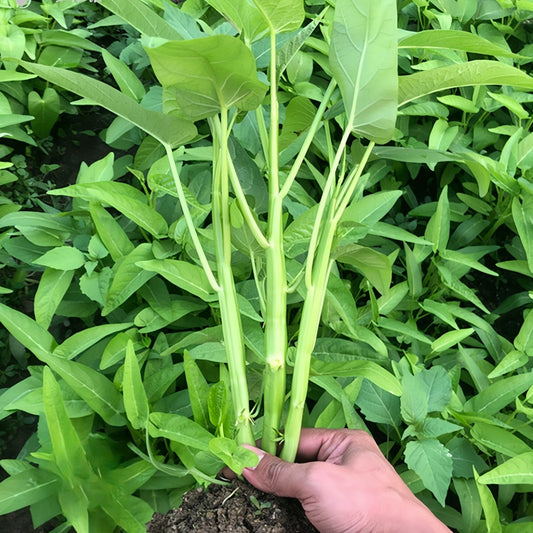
x: 254, y: 254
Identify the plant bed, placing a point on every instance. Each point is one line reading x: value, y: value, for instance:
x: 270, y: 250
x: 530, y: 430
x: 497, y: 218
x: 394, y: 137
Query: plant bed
x: 237, y: 508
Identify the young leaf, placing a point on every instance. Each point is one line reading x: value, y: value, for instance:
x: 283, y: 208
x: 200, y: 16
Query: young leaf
x: 93, y: 387
x: 516, y: 470
x: 180, y: 429
x: 123, y: 197
x: 135, y: 400
x: 480, y: 72
x: 84, y: 339
x: 166, y: 129
x: 30, y: 334
x: 184, y: 275
x: 69, y: 454
x: 26, y: 488
x: 363, y: 61
x: 497, y: 395
x: 235, y: 456
x: 433, y: 464
x: 198, y: 390
x: 490, y: 507
x: 52, y: 287
x: 202, y: 76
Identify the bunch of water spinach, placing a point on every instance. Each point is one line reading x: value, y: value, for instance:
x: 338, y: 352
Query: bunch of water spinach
x: 212, y: 91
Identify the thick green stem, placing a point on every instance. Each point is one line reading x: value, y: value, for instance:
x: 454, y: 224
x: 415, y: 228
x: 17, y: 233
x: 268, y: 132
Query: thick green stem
x: 311, y: 312
x: 276, y: 281
x: 229, y: 309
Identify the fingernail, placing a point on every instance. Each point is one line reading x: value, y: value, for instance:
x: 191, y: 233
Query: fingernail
x: 260, y: 454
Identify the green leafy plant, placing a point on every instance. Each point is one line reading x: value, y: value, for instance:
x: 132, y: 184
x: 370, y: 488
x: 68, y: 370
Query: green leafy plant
x: 262, y: 263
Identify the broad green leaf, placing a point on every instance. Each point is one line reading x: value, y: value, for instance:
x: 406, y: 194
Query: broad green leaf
x: 202, y: 76
x: 69, y: 454
x: 180, y: 429
x: 367, y: 369
x: 93, y: 387
x: 62, y: 258
x: 371, y: 208
x: 499, y: 439
x: 123, y: 197
x: 127, y: 81
x: 433, y: 464
x: 234, y: 455
x: 500, y: 394
x: 52, y: 287
x: 142, y: 18
x: 84, y: 339
x: 167, y: 129
x: 26, y: 488
x: 490, y: 507
x: 198, y: 390
x: 479, y: 72
x: 184, y: 275
x: 516, y: 470
x: 363, y: 61
x: 454, y: 40
x: 135, y: 400
x: 450, y: 338
x: 30, y: 334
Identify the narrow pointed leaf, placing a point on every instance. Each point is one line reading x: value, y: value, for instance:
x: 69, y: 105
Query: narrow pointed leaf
x: 135, y: 400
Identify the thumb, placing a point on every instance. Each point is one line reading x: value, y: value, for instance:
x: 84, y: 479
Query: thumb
x: 275, y: 476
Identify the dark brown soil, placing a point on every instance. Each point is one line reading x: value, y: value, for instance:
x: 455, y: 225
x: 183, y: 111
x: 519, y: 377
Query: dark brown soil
x: 232, y: 509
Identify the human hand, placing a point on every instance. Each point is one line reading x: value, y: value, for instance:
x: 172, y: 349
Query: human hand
x: 345, y: 485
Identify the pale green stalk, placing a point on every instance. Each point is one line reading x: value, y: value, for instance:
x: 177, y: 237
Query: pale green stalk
x: 227, y: 295
x: 188, y: 220
x: 276, y: 280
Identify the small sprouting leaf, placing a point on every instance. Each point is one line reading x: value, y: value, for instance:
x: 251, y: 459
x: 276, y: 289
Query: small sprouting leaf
x: 433, y: 464
x: 235, y: 456
x: 516, y: 470
x: 135, y: 400
x: 180, y: 429
x: 363, y: 60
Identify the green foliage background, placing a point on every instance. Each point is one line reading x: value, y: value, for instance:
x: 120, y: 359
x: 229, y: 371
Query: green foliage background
x: 426, y: 334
